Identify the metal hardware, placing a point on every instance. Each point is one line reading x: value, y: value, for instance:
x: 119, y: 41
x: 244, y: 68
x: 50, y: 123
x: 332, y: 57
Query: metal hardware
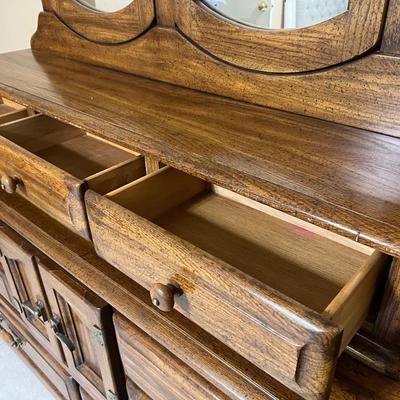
x: 56, y: 326
x: 15, y: 341
x: 111, y: 395
x: 263, y: 6
x: 36, y: 310
x: 98, y: 334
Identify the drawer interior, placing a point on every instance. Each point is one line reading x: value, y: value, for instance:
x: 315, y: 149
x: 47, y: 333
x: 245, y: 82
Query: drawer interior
x: 73, y: 150
x: 10, y: 111
x: 315, y: 267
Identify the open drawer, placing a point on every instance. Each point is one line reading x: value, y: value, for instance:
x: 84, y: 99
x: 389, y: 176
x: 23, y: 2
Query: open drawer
x: 52, y: 164
x: 10, y: 111
x: 283, y: 294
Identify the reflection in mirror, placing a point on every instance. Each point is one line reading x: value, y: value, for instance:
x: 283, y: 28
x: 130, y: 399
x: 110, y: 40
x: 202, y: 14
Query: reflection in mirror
x: 106, y: 5
x: 279, y: 14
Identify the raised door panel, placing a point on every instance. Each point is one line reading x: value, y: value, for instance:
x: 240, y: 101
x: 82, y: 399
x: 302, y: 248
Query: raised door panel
x: 49, y: 370
x: 82, y: 322
x: 336, y: 40
x: 19, y: 260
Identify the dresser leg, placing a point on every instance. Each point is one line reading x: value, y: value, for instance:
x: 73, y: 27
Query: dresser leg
x: 380, y: 348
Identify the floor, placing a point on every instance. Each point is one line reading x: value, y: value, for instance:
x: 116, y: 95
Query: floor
x: 18, y: 382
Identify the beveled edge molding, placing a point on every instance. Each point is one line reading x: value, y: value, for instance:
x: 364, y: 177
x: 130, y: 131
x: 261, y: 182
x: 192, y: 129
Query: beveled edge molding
x: 363, y: 94
x: 103, y: 27
x: 327, y: 43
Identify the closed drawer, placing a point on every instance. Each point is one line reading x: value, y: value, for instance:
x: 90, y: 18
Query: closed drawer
x: 10, y: 111
x: 283, y: 294
x: 52, y: 164
x: 155, y: 370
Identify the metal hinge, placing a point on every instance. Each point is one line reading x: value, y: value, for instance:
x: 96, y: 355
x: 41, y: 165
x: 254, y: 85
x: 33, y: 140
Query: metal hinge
x: 111, y: 395
x: 99, y: 336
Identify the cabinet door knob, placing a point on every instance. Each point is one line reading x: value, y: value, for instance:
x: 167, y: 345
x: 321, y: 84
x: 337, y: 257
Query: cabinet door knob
x: 163, y: 296
x: 9, y: 184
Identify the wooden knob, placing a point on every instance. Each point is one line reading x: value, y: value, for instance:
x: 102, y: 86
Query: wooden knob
x: 9, y: 184
x: 163, y: 296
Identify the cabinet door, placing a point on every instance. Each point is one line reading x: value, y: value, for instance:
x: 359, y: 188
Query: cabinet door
x: 282, y: 36
x: 82, y: 322
x: 24, y: 286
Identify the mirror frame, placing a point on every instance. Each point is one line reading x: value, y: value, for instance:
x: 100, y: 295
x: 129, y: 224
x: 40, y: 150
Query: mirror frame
x: 104, y: 27
x: 328, y: 43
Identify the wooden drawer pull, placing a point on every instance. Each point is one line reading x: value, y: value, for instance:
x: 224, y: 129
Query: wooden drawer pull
x: 163, y: 296
x: 9, y: 184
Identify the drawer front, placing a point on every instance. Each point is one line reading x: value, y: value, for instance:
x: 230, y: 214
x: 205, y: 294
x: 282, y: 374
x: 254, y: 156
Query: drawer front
x: 82, y: 323
x: 27, y: 296
x: 157, y: 371
x: 134, y: 392
x: 293, y: 344
x: 51, y: 189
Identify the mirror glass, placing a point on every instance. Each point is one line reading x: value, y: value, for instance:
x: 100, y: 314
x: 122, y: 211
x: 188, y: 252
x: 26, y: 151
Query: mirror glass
x: 105, y: 5
x: 279, y: 14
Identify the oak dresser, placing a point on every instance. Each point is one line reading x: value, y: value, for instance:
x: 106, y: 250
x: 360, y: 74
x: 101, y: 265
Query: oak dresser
x: 201, y: 200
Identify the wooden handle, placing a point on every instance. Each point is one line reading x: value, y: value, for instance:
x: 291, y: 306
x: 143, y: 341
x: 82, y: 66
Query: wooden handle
x: 9, y: 184
x: 163, y: 296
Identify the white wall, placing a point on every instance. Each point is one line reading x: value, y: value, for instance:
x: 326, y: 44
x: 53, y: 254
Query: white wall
x: 18, y: 21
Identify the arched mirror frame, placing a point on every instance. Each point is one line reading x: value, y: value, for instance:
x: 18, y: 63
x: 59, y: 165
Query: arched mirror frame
x: 283, y: 51
x: 115, y: 27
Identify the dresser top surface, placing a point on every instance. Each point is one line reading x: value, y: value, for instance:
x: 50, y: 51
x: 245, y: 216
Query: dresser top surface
x: 341, y: 178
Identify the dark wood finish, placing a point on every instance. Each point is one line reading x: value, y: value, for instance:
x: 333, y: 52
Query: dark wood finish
x: 134, y: 392
x: 102, y: 27
x: 19, y: 260
x: 353, y: 380
x: 86, y: 334
x: 324, y: 173
x: 157, y: 371
x: 381, y: 356
x: 52, y: 164
x: 388, y: 324
x: 364, y: 93
x: 163, y: 296
x: 52, y: 374
x: 391, y: 37
x: 293, y: 50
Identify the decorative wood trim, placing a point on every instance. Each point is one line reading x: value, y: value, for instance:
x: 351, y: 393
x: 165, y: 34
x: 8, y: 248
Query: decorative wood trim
x: 165, y: 10
x: 293, y: 50
x: 388, y: 323
x: 363, y: 94
x: 391, y: 37
x: 103, y: 27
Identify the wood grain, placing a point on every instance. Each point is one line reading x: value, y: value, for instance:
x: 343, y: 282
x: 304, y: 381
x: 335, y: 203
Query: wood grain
x: 157, y: 371
x: 273, y: 340
x: 341, y: 178
x: 103, y: 27
x: 292, y: 50
x: 391, y: 36
x: 388, y: 323
x: 363, y: 93
x: 352, y: 381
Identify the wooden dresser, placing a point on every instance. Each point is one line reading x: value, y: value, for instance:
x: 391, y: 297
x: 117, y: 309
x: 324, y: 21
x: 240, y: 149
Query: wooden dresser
x: 194, y: 207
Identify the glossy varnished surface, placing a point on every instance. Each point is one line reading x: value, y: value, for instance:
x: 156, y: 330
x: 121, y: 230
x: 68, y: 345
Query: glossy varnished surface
x: 341, y: 178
